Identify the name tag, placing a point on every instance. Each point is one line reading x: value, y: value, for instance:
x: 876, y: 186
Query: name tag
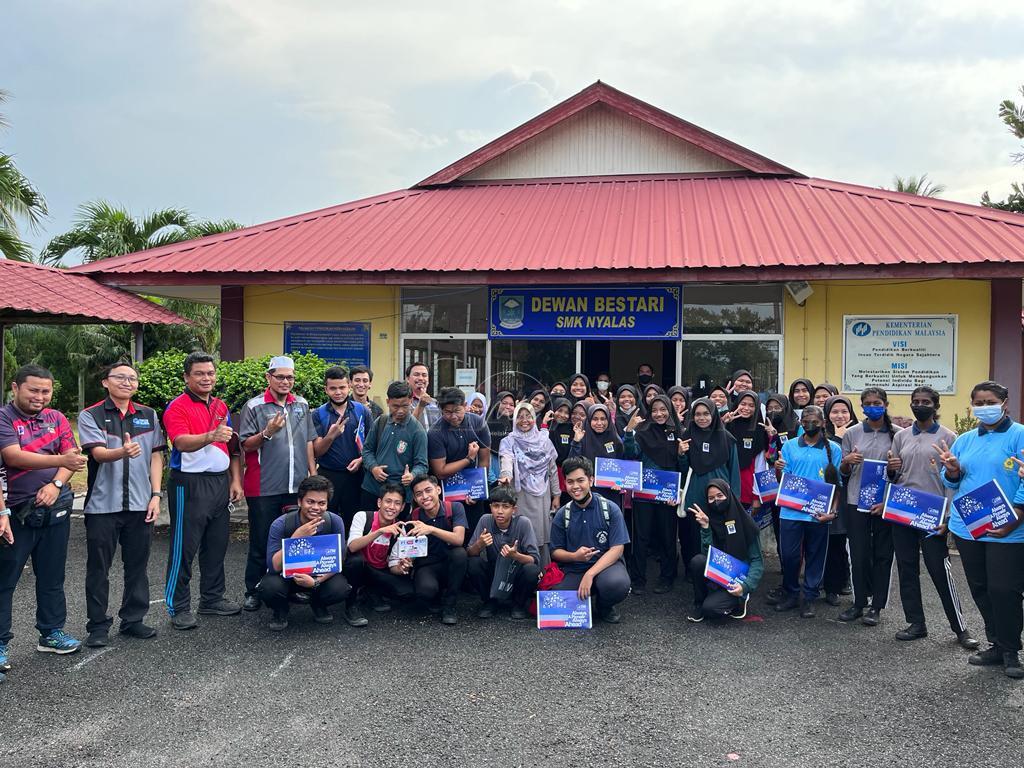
x: 730, y: 526
x: 565, y: 439
x: 783, y: 438
x: 748, y: 443
x: 706, y: 447
x: 609, y: 447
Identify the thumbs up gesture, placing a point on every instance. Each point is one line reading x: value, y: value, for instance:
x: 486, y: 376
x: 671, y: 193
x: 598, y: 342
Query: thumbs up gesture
x: 894, y: 463
x: 130, y: 449
x: 407, y: 476
x: 73, y: 460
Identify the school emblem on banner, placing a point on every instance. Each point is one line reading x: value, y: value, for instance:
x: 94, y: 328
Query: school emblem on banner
x: 511, y: 311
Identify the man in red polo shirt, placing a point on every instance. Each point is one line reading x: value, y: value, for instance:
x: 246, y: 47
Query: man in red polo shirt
x: 39, y: 451
x: 205, y: 477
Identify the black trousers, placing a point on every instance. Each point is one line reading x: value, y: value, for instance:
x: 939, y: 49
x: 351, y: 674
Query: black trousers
x: 995, y: 574
x: 440, y: 579
x: 871, y: 557
x: 910, y: 545
x: 689, y: 537
x: 611, y: 586
x: 837, y: 564
x: 199, y: 525
x: 276, y: 591
x: 707, y: 594
x: 524, y: 585
x: 654, y: 526
x: 263, y: 511
x: 48, y: 548
x: 380, y: 581
x: 103, y: 532
x: 347, y: 493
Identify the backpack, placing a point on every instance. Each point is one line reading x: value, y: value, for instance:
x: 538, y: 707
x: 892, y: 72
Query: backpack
x: 603, y: 503
x: 447, y: 511
x: 292, y: 522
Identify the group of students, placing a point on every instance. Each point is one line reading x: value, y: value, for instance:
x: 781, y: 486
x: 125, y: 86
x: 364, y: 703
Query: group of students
x: 373, y: 476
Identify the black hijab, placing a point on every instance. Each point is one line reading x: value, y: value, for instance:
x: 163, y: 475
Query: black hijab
x: 659, y: 442
x: 786, y: 423
x: 830, y: 428
x: 830, y: 388
x: 563, y: 386
x: 561, y: 434
x: 723, y: 390
x: 596, y: 444
x: 745, y: 530
x: 735, y: 397
x: 568, y: 388
x: 499, y: 426
x: 621, y: 417
x: 749, y: 432
x: 642, y: 402
x: 716, y: 437
x: 547, y: 402
x: 810, y: 391
x: 678, y: 390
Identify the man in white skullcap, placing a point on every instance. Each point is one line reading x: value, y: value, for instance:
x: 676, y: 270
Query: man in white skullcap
x: 277, y: 437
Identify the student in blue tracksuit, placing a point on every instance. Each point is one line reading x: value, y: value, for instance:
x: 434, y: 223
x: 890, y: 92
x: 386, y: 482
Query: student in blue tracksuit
x: 814, y: 456
x: 994, y: 563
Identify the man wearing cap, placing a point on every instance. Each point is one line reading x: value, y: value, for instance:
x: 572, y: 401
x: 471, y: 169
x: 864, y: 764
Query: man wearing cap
x: 277, y: 437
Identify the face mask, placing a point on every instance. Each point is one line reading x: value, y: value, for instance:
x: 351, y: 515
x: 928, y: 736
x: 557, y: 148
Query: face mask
x: 645, y: 379
x: 777, y: 420
x: 813, y: 430
x: 719, y: 506
x: 923, y: 412
x: 624, y: 409
x: 603, y: 386
x: 988, y: 414
x: 874, y: 412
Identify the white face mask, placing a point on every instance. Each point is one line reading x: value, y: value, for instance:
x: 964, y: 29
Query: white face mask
x: 603, y: 386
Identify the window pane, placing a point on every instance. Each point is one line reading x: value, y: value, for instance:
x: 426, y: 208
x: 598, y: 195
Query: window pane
x: 518, y: 366
x: 732, y: 309
x: 443, y: 356
x: 715, y: 361
x: 444, y: 310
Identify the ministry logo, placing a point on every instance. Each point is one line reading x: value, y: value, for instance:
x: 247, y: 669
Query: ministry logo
x: 861, y: 329
x: 511, y: 311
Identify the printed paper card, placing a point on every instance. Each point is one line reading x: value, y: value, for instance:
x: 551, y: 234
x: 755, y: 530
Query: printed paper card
x: 766, y: 485
x: 913, y: 508
x: 412, y: 546
x: 466, y: 484
x: 984, y: 509
x: 563, y: 609
x: 611, y: 472
x: 659, y: 485
x: 724, y: 569
x: 804, y: 494
x: 312, y: 555
x: 872, y: 484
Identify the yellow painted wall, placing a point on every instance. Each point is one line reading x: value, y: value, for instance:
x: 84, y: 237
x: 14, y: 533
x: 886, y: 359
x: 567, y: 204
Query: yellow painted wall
x: 814, y: 332
x: 268, y: 307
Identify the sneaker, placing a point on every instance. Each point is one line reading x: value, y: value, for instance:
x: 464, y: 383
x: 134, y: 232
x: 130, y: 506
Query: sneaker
x: 662, y: 587
x: 487, y: 610
x: 740, y: 611
x: 251, y: 603
x: 847, y: 590
x: 807, y: 610
x: 379, y: 604
x: 987, y: 658
x: 832, y: 598
x: 184, y: 621
x: 137, y: 630
x: 278, y: 622
x: 448, y: 616
x: 355, y: 617
x: 519, y: 613
x: 98, y: 638
x: 1012, y: 667
x: 775, y: 596
x: 967, y: 640
x: 913, y: 632
x: 433, y: 608
x: 612, y: 615
x: 851, y: 614
x: 59, y: 642
x: 638, y: 589
x: 696, y: 614
x: 222, y: 607
x: 320, y: 614
x: 871, y: 617
x: 5, y: 659
x: 788, y: 603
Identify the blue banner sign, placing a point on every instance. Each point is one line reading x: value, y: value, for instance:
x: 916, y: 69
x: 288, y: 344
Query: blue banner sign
x: 585, y: 313
x: 335, y: 342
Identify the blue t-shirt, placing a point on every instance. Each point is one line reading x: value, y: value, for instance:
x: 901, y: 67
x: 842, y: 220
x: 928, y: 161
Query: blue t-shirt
x: 984, y: 455
x: 279, y: 532
x: 808, y: 461
x: 587, y: 528
x: 344, y: 450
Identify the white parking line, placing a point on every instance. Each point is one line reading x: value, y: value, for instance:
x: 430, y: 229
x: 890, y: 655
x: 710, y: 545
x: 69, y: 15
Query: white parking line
x: 154, y: 602
x: 87, y: 659
x: 283, y: 664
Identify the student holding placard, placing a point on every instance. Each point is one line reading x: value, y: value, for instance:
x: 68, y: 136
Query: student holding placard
x: 459, y: 441
x: 597, y: 437
x: 994, y: 563
x: 915, y: 465
x: 839, y: 417
x: 657, y: 442
x: 804, y: 537
x: 371, y: 564
x: 868, y: 445
x: 747, y: 428
x: 437, y: 576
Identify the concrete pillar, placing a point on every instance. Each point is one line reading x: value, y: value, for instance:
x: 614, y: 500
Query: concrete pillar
x: 232, y: 322
x: 1006, y: 362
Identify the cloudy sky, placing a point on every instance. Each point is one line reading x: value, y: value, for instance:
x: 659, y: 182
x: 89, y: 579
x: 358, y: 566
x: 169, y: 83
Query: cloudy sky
x: 257, y: 109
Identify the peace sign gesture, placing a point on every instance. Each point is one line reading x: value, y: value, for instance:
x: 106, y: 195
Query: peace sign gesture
x: 769, y: 428
x: 949, y: 461
x: 634, y: 420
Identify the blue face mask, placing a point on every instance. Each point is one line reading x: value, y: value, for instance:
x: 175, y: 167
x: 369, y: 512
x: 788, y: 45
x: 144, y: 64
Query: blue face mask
x: 874, y: 412
x: 988, y: 414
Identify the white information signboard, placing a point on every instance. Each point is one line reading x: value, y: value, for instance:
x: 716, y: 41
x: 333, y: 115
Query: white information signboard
x: 465, y: 379
x: 899, y: 352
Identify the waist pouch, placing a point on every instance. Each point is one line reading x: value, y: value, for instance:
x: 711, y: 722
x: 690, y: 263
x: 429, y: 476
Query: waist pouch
x: 32, y: 515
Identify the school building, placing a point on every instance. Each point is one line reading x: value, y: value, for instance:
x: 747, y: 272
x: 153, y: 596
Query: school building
x: 604, y: 233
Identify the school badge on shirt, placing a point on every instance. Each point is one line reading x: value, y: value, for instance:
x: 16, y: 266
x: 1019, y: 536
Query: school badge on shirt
x: 706, y: 447
x: 402, y: 445
x: 730, y: 526
x: 748, y: 443
x: 609, y: 447
x: 565, y: 439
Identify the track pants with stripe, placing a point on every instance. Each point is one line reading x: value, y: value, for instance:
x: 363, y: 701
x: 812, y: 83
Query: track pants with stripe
x: 911, y: 544
x: 198, y: 503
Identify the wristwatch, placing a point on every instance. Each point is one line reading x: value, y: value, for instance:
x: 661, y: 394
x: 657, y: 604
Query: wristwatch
x: 157, y: 495
x: 266, y: 437
x: 58, y: 483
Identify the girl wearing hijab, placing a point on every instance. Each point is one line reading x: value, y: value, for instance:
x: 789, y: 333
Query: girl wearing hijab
x: 476, y: 403
x: 801, y: 393
x: 709, y: 453
x: 680, y: 402
x: 656, y: 442
x: 742, y: 381
x: 822, y: 393
x: 870, y: 537
x: 560, y: 434
x: 751, y: 444
x: 597, y: 438
x: 499, y: 422
x: 558, y: 389
x: 579, y: 389
x: 719, y: 395
x: 784, y: 426
x: 626, y: 401
x: 528, y: 463
x: 578, y: 415
x: 838, y: 418
x: 651, y: 391
x: 726, y: 526
x: 540, y: 401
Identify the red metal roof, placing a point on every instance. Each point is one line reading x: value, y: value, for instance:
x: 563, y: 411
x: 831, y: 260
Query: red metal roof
x: 621, y: 102
x: 710, y: 227
x: 32, y: 293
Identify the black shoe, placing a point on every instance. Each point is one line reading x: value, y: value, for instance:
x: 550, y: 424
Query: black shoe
x: 448, y: 615
x: 987, y: 658
x: 913, y: 632
x: 774, y: 596
x: 98, y: 638
x: 355, y: 617
x: 788, y: 603
x: 846, y: 591
x: 379, y: 604
x: 740, y: 611
x: 433, y: 608
x: 638, y: 589
x: 851, y: 614
x: 662, y: 587
x: 519, y: 613
x: 138, y: 630
x: 320, y: 614
x: 278, y: 622
x: 832, y: 598
x: 696, y: 614
x: 807, y: 610
x: 251, y: 603
x: 1011, y: 665
x: 871, y: 617
x: 612, y: 615
x: 487, y: 610
x: 967, y: 641
x: 222, y: 607
x: 184, y: 621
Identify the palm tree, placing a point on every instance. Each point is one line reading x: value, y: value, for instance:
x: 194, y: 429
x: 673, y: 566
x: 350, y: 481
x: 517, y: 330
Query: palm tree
x: 19, y: 200
x: 921, y: 186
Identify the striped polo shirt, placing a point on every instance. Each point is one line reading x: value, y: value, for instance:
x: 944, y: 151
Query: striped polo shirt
x: 47, y: 432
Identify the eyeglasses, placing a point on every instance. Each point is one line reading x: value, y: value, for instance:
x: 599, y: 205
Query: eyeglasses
x: 277, y: 377
x: 122, y: 378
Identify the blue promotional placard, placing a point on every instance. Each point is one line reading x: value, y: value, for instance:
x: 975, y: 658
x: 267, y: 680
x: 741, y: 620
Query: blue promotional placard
x: 984, y: 509
x: 335, y: 342
x: 617, y: 472
x: 804, y: 494
x: 766, y: 485
x: 913, y: 508
x: 466, y: 484
x: 762, y: 516
x: 724, y: 569
x: 312, y: 555
x: 659, y: 485
x: 563, y: 609
x: 635, y: 312
x: 872, y: 484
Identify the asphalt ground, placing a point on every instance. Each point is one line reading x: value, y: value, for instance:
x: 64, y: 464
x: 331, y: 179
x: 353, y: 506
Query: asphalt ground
x: 773, y: 690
